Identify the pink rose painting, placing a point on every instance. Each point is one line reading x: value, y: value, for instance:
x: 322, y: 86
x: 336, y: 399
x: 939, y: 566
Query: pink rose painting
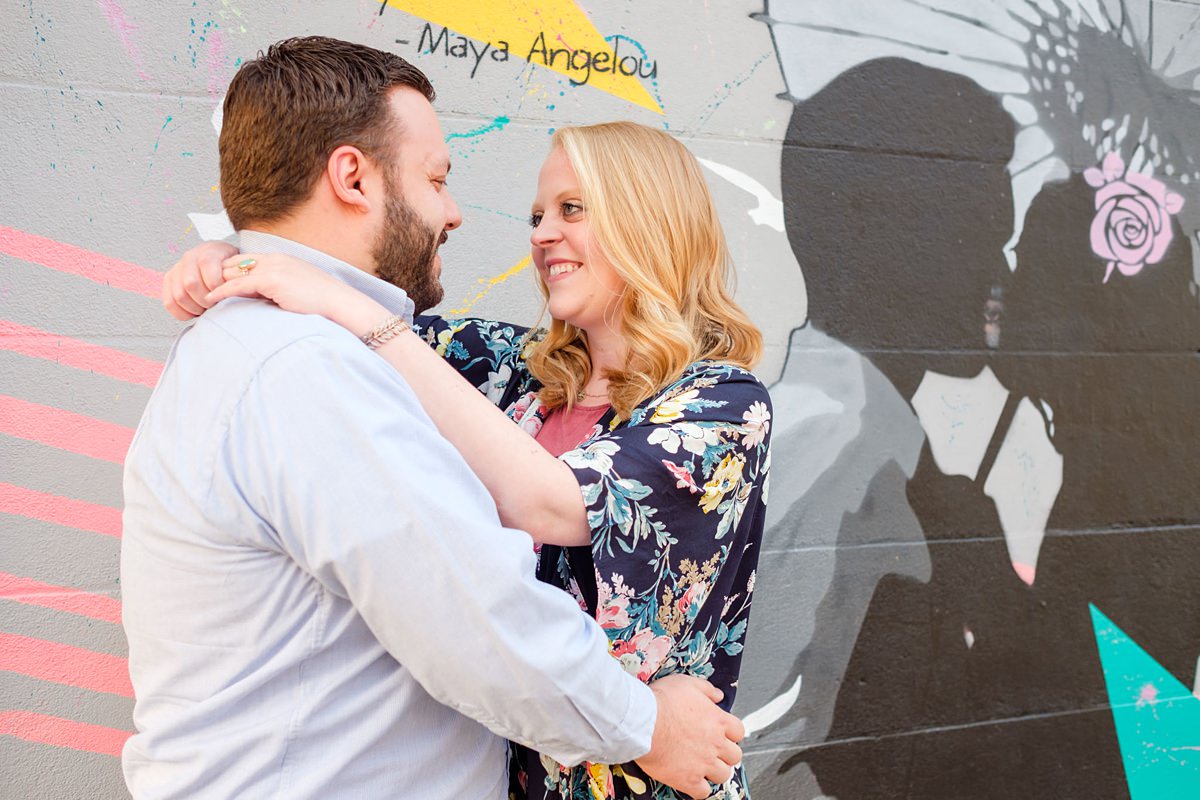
x: 1132, y: 226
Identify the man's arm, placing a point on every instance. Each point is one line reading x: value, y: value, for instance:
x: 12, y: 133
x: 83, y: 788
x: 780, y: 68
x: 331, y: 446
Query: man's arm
x: 367, y: 497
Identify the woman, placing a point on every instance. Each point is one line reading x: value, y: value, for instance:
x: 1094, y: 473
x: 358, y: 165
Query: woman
x: 647, y: 482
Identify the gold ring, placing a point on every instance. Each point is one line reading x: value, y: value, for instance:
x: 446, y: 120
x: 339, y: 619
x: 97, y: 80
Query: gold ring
x: 246, y: 266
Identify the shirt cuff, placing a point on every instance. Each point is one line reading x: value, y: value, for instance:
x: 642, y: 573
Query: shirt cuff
x: 638, y: 723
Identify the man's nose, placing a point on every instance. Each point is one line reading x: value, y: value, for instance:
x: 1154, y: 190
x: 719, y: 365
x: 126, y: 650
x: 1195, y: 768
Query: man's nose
x: 453, y: 215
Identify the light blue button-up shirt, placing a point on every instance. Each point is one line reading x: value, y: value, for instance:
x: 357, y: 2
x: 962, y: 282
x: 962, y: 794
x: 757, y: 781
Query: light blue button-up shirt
x: 319, y: 596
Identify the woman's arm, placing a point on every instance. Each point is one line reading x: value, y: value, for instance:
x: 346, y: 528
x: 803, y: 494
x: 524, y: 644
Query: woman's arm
x: 532, y: 490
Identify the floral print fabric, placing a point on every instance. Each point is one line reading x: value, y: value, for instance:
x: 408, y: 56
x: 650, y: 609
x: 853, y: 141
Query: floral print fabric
x: 675, y: 498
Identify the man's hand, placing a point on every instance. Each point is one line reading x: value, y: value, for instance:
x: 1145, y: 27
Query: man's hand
x: 187, y: 284
x: 694, y: 740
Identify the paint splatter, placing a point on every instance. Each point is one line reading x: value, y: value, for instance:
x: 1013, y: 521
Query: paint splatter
x: 124, y: 30
x: 490, y: 283
x: 216, y: 65
x: 495, y: 125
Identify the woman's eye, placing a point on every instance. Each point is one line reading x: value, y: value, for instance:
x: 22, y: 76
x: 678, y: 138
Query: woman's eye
x: 535, y: 220
x: 571, y: 209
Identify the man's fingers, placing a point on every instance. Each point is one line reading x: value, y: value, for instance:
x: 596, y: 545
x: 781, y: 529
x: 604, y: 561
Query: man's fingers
x: 719, y: 772
x: 735, y: 731
x: 699, y: 790
x: 729, y: 753
x: 712, y: 692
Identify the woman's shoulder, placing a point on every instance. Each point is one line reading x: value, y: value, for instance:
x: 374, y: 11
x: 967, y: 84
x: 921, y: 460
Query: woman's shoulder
x: 706, y: 390
x: 471, y: 337
x: 720, y: 373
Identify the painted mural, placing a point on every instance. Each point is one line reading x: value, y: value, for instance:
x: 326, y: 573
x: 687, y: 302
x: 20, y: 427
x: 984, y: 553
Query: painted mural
x: 970, y: 230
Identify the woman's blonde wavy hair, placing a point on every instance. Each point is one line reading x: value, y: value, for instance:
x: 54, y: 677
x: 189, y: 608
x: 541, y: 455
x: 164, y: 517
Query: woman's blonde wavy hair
x: 651, y: 214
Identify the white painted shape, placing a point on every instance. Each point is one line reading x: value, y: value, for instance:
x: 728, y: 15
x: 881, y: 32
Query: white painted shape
x: 1119, y: 136
x: 1024, y: 484
x: 1021, y: 109
x: 1049, y: 412
x: 959, y: 416
x: 947, y: 25
x: 218, y: 116
x: 1137, y: 161
x: 1022, y: 9
x: 1094, y: 13
x: 1025, y: 187
x: 212, y: 227
x: 1047, y: 7
x: 773, y: 710
x: 770, y: 209
x: 811, y: 58
x: 1031, y: 145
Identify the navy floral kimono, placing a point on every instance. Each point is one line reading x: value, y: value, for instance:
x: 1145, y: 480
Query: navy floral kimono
x: 676, y: 498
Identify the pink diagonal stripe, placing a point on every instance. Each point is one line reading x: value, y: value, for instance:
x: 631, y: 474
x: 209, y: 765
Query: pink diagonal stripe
x: 78, y: 354
x: 65, y: 430
x: 77, y: 261
x: 62, y: 732
x: 62, y: 663
x: 60, y: 510
x: 60, y: 598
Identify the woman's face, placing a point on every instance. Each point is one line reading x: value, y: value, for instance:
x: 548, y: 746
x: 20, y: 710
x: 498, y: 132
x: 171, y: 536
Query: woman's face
x: 584, y: 287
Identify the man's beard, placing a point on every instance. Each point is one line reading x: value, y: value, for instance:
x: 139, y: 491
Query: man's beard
x: 404, y: 251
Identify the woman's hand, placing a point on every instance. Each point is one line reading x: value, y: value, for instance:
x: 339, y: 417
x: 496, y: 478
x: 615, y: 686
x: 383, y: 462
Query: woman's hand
x: 186, y: 285
x: 298, y: 286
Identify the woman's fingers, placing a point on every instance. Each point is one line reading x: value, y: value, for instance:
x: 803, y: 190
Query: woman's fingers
x: 178, y: 303
x: 242, y: 287
x: 210, y: 261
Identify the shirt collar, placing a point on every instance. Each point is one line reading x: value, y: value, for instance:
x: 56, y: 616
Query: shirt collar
x: 393, y: 298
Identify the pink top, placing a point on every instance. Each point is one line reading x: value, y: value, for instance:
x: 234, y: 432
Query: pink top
x: 564, y: 430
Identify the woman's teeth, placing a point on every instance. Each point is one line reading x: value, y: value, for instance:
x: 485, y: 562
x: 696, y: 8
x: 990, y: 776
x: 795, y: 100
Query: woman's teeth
x: 564, y: 267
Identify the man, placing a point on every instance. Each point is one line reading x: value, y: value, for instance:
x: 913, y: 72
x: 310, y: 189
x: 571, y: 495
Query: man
x: 319, y: 597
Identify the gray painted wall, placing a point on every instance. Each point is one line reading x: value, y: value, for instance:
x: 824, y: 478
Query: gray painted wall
x: 979, y: 437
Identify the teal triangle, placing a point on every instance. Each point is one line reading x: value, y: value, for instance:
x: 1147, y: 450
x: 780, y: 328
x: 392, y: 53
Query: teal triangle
x: 1157, y: 718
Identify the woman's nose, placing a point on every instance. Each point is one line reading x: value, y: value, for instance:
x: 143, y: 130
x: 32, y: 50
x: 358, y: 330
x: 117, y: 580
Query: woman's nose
x: 544, y: 233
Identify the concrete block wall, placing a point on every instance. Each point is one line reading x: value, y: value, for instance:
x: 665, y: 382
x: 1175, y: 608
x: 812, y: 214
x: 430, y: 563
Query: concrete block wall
x: 968, y: 229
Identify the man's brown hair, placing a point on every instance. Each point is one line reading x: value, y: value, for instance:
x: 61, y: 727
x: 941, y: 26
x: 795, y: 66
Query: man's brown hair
x: 286, y: 111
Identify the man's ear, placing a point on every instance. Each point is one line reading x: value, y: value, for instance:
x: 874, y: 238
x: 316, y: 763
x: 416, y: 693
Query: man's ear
x: 352, y: 178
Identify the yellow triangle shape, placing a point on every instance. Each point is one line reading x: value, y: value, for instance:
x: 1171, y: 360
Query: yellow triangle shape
x: 536, y: 28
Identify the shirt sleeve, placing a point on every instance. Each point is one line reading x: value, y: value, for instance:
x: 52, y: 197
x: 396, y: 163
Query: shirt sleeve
x: 365, y: 495
x: 674, y: 501
x: 485, y: 352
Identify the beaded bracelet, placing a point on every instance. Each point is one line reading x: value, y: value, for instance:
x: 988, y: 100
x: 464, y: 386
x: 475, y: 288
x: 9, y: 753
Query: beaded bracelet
x: 383, y: 333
